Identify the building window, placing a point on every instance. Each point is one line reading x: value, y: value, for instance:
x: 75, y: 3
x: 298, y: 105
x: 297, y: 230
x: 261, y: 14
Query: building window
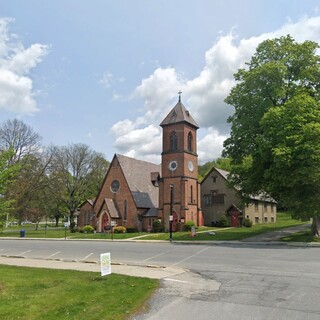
x: 256, y: 219
x: 218, y: 198
x: 272, y: 219
x: 272, y: 208
x: 214, y: 199
x: 173, y: 141
x: 115, y: 186
x: 191, y: 194
x: 214, y: 179
x: 125, y: 210
x: 207, y: 200
x: 266, y: 219
x: 265, y: 205
x: 190, y: 141
x: 256, y: 207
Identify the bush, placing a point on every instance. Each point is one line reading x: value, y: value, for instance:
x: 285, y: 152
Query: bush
x: 189, y: 225
x: 157, y: 226
x: 247, y: 223
x: 87, y: 229
x: 224, y: 222
x: 120, y: 229
x: 132, y: 230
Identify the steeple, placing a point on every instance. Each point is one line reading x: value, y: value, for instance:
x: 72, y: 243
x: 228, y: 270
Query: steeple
x: 179, y: 114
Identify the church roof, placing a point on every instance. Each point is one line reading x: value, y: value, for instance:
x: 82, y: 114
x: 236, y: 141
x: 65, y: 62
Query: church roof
x: 112, y: 208
x: 179, y: 114
x: 138, y: 176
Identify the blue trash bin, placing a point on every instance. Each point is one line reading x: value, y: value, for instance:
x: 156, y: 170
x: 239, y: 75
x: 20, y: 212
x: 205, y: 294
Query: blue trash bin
x: 22, y: 233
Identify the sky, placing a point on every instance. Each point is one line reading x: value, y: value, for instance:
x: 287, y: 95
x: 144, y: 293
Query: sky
x: 106, y: 73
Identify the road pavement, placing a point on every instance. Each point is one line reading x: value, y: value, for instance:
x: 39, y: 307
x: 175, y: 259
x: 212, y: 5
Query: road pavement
x: 229, y: 281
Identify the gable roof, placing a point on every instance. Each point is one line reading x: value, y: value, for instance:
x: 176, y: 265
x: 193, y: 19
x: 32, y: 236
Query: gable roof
x: 224, y: 174
x: 179, y: 114
x: 138, y: 176
x: 90, y: 201
x: 112, y: 208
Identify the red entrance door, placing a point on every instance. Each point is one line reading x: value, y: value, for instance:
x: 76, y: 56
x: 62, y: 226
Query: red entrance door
x: 234, y: 219
x: 105, y: 222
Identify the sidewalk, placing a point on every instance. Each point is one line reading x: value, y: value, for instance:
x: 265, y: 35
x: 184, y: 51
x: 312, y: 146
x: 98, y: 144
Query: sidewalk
x: 152, y: 272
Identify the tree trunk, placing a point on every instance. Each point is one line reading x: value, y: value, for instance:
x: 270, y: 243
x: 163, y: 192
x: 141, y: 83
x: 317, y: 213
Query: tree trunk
x: 72, y: 223
x: 315, y: 226
x: 57, y: 219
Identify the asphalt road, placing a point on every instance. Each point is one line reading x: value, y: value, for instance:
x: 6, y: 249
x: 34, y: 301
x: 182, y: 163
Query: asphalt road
x: 223, y: 282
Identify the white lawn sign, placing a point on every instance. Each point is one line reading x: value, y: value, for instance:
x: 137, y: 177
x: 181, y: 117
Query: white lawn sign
x: 105, y: 260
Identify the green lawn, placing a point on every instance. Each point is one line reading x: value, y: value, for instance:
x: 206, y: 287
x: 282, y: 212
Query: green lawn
x: 53, y: 232
x: 46, y: 294
x: 283, y: 220
x: 302, y: 236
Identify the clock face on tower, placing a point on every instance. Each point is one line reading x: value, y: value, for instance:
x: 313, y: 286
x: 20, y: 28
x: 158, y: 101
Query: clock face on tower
x: 173, y: 165
x: 190, y: 166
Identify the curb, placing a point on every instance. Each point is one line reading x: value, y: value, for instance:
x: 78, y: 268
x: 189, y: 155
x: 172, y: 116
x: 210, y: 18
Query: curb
x: 195, y: 242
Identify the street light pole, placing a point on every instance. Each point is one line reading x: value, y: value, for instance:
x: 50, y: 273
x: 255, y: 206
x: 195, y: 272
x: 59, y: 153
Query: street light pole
x: 171, y: 210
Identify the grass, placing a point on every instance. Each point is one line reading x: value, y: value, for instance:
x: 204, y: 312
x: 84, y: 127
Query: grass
x: 53, y: 232
x: 283, y: 220
x: 46, y: 294
x: 302, y: 236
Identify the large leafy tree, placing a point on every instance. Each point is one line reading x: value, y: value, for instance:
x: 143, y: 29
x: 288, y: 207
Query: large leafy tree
x: 275, y: 134
x: 7, y: 173
x: 79, y: 172
x: 20, y: 137
x: 25, y: 152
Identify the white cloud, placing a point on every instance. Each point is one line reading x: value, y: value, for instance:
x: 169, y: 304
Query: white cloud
x: 204, y: 95
x: 210, y: 146
x: 106, y: 79
x: 16, y: 62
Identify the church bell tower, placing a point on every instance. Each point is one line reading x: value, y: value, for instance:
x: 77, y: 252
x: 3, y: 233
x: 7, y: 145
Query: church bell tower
x: 179, y: 187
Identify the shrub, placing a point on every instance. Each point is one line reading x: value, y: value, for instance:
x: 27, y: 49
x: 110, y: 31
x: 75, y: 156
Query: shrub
x: 132, y: 230
x: 189, y: 225
x: 224, y: 222
x: 88, y: 229
x: 157, y: 226
x: 247, y: 223
x: 120, y: 229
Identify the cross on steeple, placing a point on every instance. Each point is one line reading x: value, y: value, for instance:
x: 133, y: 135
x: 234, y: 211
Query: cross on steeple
x: 179, y: 93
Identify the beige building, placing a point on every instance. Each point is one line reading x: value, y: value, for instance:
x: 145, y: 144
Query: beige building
x: 218, y: 198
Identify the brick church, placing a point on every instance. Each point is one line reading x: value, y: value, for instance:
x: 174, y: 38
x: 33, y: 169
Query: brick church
x: 134, y: 193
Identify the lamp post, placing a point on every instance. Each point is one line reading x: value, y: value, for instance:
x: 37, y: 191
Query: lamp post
x: 171, y: 210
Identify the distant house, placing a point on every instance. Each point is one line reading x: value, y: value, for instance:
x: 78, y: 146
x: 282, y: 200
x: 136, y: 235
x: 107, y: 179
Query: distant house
x: 218, y: 198
x: 129, y: 196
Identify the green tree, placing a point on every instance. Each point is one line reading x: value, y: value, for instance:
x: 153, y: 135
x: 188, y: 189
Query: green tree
x: 221, y: 163
x: 7, y: 173
x: 275, y: 134
x: 78, y: 173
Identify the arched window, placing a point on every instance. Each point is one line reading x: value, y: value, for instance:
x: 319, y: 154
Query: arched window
x: 173, y: 141
x: 125, y: 210
x: 191, y: 194
x: 189, y: 141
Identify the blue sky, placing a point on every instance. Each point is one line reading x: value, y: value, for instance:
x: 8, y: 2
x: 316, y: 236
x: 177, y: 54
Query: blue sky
x: 105, y: 73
